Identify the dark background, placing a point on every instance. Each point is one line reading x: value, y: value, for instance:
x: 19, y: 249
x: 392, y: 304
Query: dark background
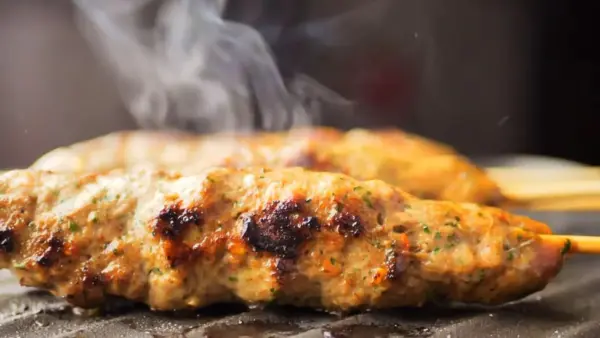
x: 569, y: 81
x: 488, y: 77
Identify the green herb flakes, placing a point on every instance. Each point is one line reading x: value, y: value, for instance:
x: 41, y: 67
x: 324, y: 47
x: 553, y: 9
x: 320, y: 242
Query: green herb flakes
x: 155, y: 271
x: 73, y: 227
x: 367, y: 201
x: 20, y: 266
x: 481, y: 275
x: 93, y: 217
x: 426, y: 229
x: 233, y: 279
x: 332, y: 260
x: 510, y: 255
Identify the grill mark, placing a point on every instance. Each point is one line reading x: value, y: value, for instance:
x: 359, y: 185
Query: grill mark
x: 170, y: 225
x: 89, y: 289
x: 172, y: 221
x: 178, y: 253
x: 7, y: 241
x: 283, y: 267
x: 93, y: 287
x: 279, y: 228
x: 52, y: 253
x: 347, y: 224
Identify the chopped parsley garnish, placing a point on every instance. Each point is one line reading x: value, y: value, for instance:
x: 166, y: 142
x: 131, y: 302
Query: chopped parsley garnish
x: 438, y: 235
x: 156, y: 271
x: 436, y: 250
x: 566, y: 248
x: 366, y: 199
x: 73, y: 227
x: 93, y: 217
x: 233, y: 279
x: 481, y: 275
x: 376, y: 243
x: 510, y: 256
x: 339, y: 206
x: 332, y: 260
x: 426, y: 229
x: 20, y: 266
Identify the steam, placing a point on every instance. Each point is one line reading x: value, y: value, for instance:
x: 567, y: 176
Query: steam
x: 190, y: 69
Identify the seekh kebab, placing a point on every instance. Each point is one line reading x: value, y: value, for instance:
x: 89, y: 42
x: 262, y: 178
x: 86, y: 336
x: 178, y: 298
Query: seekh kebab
x: 420, y: 166
x: 287, y: 236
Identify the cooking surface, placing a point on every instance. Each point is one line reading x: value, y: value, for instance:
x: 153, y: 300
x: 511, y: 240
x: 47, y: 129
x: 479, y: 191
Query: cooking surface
x: 568, y: 307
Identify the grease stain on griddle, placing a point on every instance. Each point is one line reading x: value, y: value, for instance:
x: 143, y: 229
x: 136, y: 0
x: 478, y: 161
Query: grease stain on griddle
x: 249, y: 329
x: 376, y: 331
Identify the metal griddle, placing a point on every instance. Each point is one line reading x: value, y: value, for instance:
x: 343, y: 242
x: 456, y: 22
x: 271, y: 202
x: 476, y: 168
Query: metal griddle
x: 568, y: 307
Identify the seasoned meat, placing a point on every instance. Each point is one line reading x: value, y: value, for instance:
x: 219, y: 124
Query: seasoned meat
x: 419, y: 166
x: 288, y: 236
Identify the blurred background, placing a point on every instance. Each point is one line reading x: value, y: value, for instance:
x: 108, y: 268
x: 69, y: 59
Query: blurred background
x: 488, y: 77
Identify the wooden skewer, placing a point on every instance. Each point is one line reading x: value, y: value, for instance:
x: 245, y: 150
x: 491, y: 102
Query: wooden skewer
x: 541, y: 190
x: 575, y: 244
x: 551, y: 189
x: 507, y: 174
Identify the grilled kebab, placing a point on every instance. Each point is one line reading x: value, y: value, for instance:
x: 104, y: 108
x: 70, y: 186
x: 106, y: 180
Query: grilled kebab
x: 287, y: 236
x: 421, y: 167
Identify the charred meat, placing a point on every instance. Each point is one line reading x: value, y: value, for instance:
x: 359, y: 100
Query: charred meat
x: 288, y: 236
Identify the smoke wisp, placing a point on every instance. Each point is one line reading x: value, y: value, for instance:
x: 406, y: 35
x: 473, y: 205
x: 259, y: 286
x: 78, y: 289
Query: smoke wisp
x: 182, y: 66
